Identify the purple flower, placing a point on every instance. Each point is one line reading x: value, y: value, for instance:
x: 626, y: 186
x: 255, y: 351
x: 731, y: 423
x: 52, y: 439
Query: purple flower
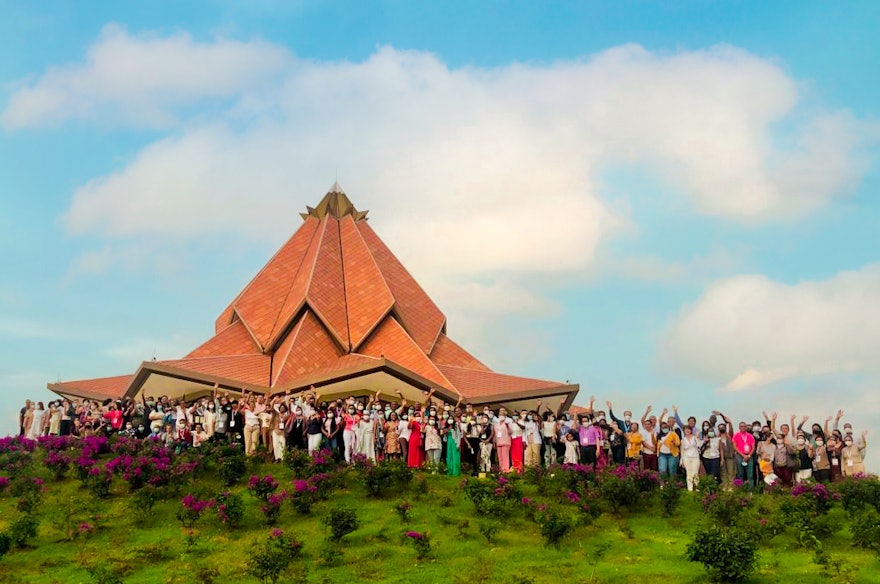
x: 414, y: 535
x: 526, y: 501
x: 276, y: 533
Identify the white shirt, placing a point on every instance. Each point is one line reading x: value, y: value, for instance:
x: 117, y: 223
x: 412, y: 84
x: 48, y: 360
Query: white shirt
x: 532, y: 433
x: 403, y: 429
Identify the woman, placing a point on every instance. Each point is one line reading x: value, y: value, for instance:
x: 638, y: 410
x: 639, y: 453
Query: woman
x: 805, y: 458
x: 690, y: 457
x: 668, y: 444
x: 517, y: 432
x: 296, y: 430
x: 251, y: 426
x: 487, y: 437
x: 852, y: 456
x: 210, y: 419
x: 199, y: 436
x: 314, y: 431
x: 616, y: 443
x: 452, y: 436
x: 35, y: 429
x: 265, y: 417
x: 503, y: 439
x: 367, y: 434
x: 415, y: 456
x: 350, y: 421
x: 633, y: 444
x: 278, y: 423
x: 821, y: 461
x: 55, y: 419
x: 331, y: 430
x: 433, y: 442
x: 533, y: 440
x: 392, y: 436
x: 711, y: 455
x: 548, y: 429
x: 472, y: 438
x: 403, y: 433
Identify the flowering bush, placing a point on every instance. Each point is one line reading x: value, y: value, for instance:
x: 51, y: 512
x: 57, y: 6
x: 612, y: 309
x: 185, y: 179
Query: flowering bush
x: 495, y: 498
x: 817, y: 493
x: 268, y: 561
x: 56, y: 443
x: 4, y: 482
x: 271, y: 508
x: 553, y: 525
x: 262, y: 488
x: 304, y: 494
x: 232, y: 464
x: 58, y: 462
x: 191, y: 510
x: 726, y: 507
x: 384, y: 475
x: 422, y: 543
x: 229, y: 508
x: 98, y: 481
x: 670, y: 497
x: 858, y: 492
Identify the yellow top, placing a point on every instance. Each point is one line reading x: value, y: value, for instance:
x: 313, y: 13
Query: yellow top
x: 671, y: 441
x: 633, y: 444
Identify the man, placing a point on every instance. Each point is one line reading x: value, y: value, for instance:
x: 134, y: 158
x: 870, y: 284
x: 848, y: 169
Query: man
x: 589, y: 435
x: 623, y: 424
x: 21, y: 415
x: 784, y: 459
x: 649, y: 442
x: 744, y: 444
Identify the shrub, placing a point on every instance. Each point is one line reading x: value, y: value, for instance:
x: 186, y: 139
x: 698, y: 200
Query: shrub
x: 23, y: 529
x: 492, y: 498
x: 341, y: 521
x: 273, y: 557
x: 865, y: 528
x: 670, y: 497
x: 856, y: 493
x: 384, y: 475
x: 229, y: 508
x: 553, y: 526
x: 729, y: 555
x: 726, y: 507
x: 191, y: 510
x: 303, y: 496
x: 5, y: 544
x: 271, y: 508
x: 262, y: 488
x: 98, y: 482
x: 422, y: 543
x: 142, y: 501
x: 102, y: 574
x: 58, y: 462
x: 403, y: 508
x: 231, y: 464
x: 489, y: 529
x: 817, y: 494
x: 618, y: 493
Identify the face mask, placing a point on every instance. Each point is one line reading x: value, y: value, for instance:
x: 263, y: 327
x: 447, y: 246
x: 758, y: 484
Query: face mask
x: 551, y: 419
x: 387, y: 411
x: 601, y: 418
x: 848, y: 442
x: 404, y: 417
x: 329, y: 416
x: 433, y: 412
x: 350, y: 410
x: 627, y: 418
x: 432, y: 422
x: 801, y: 441
x: 298, y: 412
x: 711, y: 434
x: 820, y: 442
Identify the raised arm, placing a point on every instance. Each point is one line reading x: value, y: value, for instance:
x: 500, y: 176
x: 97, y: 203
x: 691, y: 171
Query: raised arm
x: 828, y: 419
x: 837, y: 419
x: 611, y: 414
x: 645, y: 416
x: 678, y: 421
x: 726, y: 420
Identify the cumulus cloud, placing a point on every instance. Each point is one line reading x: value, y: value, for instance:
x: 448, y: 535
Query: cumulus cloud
x: 138, y: 79
x: 471, y: 172
x: 748, y: 332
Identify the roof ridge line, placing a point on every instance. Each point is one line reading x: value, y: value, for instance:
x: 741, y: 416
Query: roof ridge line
x: 283, y: 358
x: 501, y: 374
x: 344, y: 289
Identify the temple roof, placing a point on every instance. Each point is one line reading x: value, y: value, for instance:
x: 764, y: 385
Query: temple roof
x: 334, y: 299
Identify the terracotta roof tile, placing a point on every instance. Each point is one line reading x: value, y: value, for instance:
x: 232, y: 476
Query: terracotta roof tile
x: 326, y: 293
x: 473, y: 383
x: 233, y: 340
x: 448, y: 352
x: 391, y: 341
x: 367, y: 297
x: 100, y: 388
x: 261, y: 302
x: 342, y: 363
x: 249, y: 369
x: 310, y: 349
x: 418, y: 314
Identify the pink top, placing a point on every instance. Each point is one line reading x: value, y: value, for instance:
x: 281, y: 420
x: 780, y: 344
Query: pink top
x: 502, y: 434
x: 744, y: 443
x: 350, y: 421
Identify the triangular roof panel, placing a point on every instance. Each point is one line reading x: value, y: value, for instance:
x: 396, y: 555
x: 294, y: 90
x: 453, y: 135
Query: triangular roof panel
x: 233, y: 340
x: 326, y: 294
x: 448, y: 352
x: 310, y: 349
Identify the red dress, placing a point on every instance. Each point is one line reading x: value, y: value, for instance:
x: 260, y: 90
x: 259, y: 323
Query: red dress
x: 416, y: 455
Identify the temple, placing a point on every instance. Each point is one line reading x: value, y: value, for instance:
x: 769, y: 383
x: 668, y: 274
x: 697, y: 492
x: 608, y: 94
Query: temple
x: 333, y: 309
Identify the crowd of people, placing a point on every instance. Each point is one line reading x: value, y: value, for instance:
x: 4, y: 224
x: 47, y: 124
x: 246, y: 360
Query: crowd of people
x: 485, y: 439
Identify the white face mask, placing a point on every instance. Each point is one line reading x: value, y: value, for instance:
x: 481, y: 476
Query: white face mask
x: 801, y: 441
x: 627, y: 418
x: 820, y: 442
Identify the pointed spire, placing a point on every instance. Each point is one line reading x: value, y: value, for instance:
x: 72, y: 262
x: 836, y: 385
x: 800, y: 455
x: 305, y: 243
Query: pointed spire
x: 334, y: 203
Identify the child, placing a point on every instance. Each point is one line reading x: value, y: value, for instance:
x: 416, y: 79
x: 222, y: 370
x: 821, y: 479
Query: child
x: 571, y: 449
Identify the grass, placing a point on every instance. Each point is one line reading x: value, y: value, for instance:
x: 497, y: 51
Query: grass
x: 153, y: 548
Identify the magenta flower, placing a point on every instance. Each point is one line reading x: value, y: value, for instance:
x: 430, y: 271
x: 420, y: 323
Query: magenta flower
x: 276, y: 533
x: 414, y: 535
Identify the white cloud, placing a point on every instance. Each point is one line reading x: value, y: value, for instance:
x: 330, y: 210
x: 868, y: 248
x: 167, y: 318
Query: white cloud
x: 472, y: 173
x: 747, y: 332
x: 137, y: 79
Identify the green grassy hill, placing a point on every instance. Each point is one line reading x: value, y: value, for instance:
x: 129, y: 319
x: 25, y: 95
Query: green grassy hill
x: 77, y: 530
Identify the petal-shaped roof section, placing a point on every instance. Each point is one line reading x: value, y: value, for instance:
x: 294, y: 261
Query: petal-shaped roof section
x: 308, y: 347
x: 418, y: 313
x: 233, y: 340
x: 391, y: 341
x: 448, y: 352
x: 260, y: 303
x: 326, y: 294
x: 100, y: 388
x: 474, y: 383
x: 249, y: 369
x: 299, y: 287
x: 367, y: 296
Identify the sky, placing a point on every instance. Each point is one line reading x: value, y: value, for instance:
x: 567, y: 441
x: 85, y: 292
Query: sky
x: 669, y: 203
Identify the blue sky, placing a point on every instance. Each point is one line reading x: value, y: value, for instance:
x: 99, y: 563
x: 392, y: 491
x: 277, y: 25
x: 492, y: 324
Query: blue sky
x: 666, y: 202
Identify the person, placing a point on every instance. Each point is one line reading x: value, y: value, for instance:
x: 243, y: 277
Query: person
x: 533, y: 440
x: 744, y: 445
x: 690, y: 457
x: 650, y: 461
x: 199, y: 436
x: 517, y: 426
x: 502, y: 433
x: 785, y: 457
x: 23, y: 417
x: 278, y: 423
x: 366, y: 433
x: 634, y: 445
x: 415, y: 454
x: 35, y: 427
x: 821, y: 460
x: 55, y: 419
x: 487, y: 438
x: 314, y: 431
x: 349, y: 436
x: 805, y: 458
x: 572, y: 449
x: 392, y: 437
x: 616, y: 443
x: 251, y: 424
x: 433, y: 442
x: 549, y: 431
x: 331, y: 430
x: 453, y: 438
x: 710, y: 453
x: 852, y: 456
x: 668, y: 448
